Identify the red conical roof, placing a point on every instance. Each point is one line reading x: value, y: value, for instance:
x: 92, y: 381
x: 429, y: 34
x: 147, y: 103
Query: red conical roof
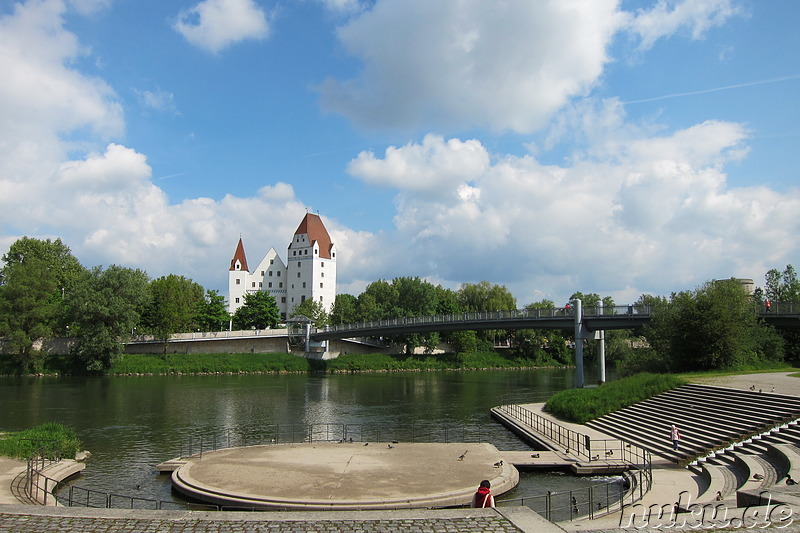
x: 312, y: 226
x: 239, y: 255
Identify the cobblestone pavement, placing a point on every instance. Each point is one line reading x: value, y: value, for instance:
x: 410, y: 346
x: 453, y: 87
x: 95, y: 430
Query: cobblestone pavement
x: 73, y: 520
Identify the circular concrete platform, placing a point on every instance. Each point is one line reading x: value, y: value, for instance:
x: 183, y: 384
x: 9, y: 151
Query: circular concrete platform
x: 344, y: 476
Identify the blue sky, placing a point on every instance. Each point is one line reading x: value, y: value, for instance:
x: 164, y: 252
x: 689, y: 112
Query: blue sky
x: 618, y: 147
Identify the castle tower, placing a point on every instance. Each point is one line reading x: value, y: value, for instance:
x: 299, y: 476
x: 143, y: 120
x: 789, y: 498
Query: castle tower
x: 311, y: 265
x: 238, y: 278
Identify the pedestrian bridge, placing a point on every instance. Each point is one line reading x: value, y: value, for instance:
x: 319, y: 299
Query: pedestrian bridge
x: 591, y: 319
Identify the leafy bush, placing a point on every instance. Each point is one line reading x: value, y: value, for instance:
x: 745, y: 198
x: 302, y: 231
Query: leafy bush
x: 583, y: 405
x: 208, y: 363
x: 51, y: 439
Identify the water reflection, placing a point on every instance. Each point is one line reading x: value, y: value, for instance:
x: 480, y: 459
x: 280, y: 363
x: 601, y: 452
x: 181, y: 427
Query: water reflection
x: 131, y: 424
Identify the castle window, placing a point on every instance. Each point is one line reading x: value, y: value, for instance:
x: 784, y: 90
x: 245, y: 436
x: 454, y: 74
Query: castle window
x: 322, y: 264
x: 320, y: 285
x: 238, y: 281
x: 306, y: 252
x: 279, y: 273
x: 304, y: 284
x: 270, y: 273
x: 280, y: 285
x: 262, y: 273
x: 322, y: 274
x: 320, y: 299
x: 302, y: 298
x: 283, y: 299
x: 260, y: 284
x: 294, y: 252
x: 271, y: 261
x: 298, y: 264
x: 333, y: 254
x: 270, y: 285
x: 316, y: 251
x: 298, y: 274
x: 237, y: 300
x: 253, y: 284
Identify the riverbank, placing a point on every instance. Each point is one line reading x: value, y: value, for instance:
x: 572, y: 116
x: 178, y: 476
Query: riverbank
x: 280, y: 363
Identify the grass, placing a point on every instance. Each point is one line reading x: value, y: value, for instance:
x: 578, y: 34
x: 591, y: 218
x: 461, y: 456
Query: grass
x: 209, y: 363
x: 583, y: 405
x: 52, y: 439
x: 399, y: 362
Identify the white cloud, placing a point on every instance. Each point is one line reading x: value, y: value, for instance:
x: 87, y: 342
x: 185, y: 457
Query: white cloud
x: 428, y: 166
x: 87, y: 7
x: 668, y: 17
x: 158, y: 100
x: 216, y: 24
x: 651, y: 214
x: 507, y: 65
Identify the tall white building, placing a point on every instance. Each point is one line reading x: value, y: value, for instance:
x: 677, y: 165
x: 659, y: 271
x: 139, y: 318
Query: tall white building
x: 309, y: 271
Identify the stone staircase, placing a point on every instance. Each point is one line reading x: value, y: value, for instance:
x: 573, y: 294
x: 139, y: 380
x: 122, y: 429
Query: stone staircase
x: 731, y: 439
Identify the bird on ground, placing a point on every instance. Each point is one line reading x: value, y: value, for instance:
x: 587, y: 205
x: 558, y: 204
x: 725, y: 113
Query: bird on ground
x: 610, y: 452
x: 596, y: 457
x: 759, y: 391
x: 461, y: 457
x: 566, y: 451
x: 351, y: 440
x: 719, y: 496
x: 394, y: 442
x: 390, y: 446
x: 535, y: 455
x: 752, y: 387
x: 790, y: 481
x: 773, y: 388
x: 498, y: 464
x: 758, y: 477
x: 366, y: 444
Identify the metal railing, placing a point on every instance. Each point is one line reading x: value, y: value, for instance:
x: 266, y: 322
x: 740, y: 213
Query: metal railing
x: 569, y: 440
x: 196, y: 445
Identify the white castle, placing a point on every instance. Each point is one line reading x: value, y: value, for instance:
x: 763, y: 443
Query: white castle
x: 310, y: 271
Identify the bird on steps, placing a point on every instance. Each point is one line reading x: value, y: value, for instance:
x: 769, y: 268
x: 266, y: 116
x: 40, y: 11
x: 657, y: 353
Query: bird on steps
x: 535, y: 455
x: 498, y: 464
x: 596, y: 457
x: 366, y: 444
x: 610, y: 452
x: 758, y: 477
x: 461, y: 457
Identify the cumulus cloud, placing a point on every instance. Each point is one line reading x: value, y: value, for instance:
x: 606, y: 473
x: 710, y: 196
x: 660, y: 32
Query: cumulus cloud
x: 668, y: 17
x: 455, y: 64
x: 216, y: 24
x: 428, y: 166
x: 158, y: 100
x: 644, y: 216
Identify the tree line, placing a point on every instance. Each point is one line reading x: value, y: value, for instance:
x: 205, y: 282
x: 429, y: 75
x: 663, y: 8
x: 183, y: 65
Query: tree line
x: 46, y: 292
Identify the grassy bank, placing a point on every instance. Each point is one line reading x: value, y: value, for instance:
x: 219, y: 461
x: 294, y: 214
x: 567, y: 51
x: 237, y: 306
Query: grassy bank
x: 582, y: 405
x: 287, y: 363
x: 50, y: 438
x: 206, y: 363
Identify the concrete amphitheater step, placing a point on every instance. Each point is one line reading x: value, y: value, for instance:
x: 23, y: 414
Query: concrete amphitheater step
x: 730, y: 414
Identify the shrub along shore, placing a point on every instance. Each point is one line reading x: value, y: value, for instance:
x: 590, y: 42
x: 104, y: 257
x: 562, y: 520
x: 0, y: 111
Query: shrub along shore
x: 282, y: 363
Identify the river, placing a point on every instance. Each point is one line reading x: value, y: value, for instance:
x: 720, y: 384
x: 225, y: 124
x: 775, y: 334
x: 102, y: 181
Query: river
x: 132, y: 423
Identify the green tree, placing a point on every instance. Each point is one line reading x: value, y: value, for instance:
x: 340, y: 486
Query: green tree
x: 485, y: 296
x: 258, y: 312
x: 782, y: 288
x: 30, y: 303
x: 63, y: 267
x: 711, y: 327
x: 345, y: 310
x: 312, y: 310
x: 104, y: 306
x: 174, y: 304
x: 212, y: 313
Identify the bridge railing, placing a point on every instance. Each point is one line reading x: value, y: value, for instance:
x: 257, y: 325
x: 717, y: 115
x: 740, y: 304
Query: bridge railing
x: 498, y: 316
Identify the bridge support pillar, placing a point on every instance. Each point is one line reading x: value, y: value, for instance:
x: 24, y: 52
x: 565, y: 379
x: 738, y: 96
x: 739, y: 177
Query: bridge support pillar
x: 578, y: 309
x: 600, y: 336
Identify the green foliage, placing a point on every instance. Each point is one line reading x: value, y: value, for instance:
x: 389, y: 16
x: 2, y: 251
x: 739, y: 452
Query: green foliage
x: 784, y: 287
x: 583, y: 405
x: 174, y: 304
x: 51, y: 439
x: 104, y: 307
x: 402, y: 362
x: 485, y: 296
x: 709, y: 328
x: 33, y: 279
x: 212, y: 313
x: 258, y: 312
x: 312, y: 310
x: 208, y: 363
x: 345, y: 310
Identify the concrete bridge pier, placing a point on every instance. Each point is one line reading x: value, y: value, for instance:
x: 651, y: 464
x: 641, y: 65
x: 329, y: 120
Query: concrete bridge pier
x: 577, y: 306
x: 600, y: 337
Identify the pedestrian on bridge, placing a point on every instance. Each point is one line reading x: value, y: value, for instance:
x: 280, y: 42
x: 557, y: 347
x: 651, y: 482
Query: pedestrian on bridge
x: 767, y: 305
x: 675, y: 435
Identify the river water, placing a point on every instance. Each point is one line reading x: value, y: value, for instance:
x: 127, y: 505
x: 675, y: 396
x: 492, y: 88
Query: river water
x: 131, y: 424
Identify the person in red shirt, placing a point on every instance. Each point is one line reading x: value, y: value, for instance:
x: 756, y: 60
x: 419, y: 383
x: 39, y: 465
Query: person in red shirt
x: 483, y: 497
